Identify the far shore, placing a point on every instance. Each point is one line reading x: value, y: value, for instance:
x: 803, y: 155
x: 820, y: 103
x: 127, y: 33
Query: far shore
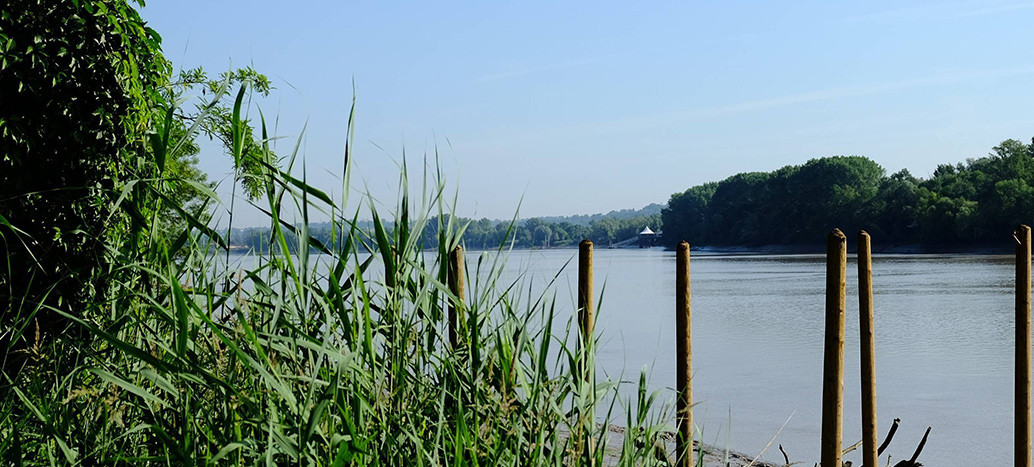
x: 800, y: 249
x: 804, y: 249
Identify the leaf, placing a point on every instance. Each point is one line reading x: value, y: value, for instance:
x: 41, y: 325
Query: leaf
x: 182, y: 316
x: 195, y: 222
x: 306, y: 188
x: 137, y: 353
x: 237, y: 128
x: 130, y: 387
x: 47, y: 425
x: 227, y: 450
x: 160, y: 381
x: 385, y: 249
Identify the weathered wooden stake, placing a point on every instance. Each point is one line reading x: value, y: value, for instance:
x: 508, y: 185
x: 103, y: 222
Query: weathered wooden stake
x: 684, y: 352
x: 585, y: 325
x: 585, y: 312
x: 456, y: 286
x: 833, y: 359
x: 868, y: 352
x: 1022, y: 236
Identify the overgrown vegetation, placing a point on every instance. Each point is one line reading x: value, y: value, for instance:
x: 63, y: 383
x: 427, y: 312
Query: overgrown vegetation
x: 89, y: 114
x: 334, y: 355
x: 336, y: 358
x: 78, y: 82
x: 960, y: 204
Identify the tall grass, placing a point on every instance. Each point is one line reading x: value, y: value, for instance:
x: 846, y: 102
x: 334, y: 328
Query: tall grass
x: 337, y: 354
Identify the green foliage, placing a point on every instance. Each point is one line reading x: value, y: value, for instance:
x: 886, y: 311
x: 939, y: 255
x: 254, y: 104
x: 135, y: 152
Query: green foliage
x: 335, y: 359
x: 962, y: 203
x: 85, y: 133
x: 687, y: 213
x: 215, y: 119
x: 775, y: 208
x: 182, y: 177
x: 78, y: 81
x: 486, y: 234
x: 211, y: 116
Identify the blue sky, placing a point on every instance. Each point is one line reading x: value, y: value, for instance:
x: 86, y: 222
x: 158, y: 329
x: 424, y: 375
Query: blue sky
x: 576, y: 107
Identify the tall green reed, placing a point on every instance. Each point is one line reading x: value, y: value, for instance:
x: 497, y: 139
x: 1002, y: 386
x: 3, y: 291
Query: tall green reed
x: 317, y: 353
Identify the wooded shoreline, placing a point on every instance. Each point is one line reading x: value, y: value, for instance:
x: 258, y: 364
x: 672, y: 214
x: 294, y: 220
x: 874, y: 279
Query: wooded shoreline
x: 801, y: 249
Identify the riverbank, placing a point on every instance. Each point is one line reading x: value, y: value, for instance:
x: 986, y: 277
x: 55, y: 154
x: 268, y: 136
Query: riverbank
x: 713, y: 456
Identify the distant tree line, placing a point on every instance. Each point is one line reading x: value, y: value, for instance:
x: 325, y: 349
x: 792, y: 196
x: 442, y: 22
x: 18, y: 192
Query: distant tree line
x: 538, y: 233
x: 617, y: 214
x: 978, y: 201
x: 483, y: 234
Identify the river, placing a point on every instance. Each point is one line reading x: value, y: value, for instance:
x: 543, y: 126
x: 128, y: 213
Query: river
x: 944, y: 330
x: 944, y: 346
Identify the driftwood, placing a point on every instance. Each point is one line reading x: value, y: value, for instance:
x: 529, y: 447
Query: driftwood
x: 890, y: 436
x: 913, y: 462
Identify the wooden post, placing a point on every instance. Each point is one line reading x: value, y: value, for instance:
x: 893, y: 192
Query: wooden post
x: 456, y: 286
x: 868, y: 353
x: 684, y: 359
x: 1022, y: 236
x: 585, y: 326
x: 833, y: 358
x: 585, y: 312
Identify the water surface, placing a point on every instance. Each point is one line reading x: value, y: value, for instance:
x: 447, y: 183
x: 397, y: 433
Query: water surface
x: 944, y: 343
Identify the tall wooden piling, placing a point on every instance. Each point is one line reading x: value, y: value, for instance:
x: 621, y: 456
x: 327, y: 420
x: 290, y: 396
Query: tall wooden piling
x: 833, y: 358
x: 456, y: 286
x: 585, y: 326
x: 684, y: 352
x: 585, y: 311
x: 868, y: 351
x: 1022, y: 431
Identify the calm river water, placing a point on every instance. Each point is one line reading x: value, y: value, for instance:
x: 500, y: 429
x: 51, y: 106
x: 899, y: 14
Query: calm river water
x: 944, y: 344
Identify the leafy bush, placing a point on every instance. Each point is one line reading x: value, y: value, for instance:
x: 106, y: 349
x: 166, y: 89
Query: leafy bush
x: 78, y: 82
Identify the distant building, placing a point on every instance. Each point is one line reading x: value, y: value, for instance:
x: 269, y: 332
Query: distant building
x: 648, y: 238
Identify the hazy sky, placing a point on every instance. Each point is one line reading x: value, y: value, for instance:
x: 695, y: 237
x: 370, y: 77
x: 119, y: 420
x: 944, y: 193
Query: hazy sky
x: 581, y: 107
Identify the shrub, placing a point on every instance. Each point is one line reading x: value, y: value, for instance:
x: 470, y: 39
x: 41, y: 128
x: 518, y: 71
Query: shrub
x: 78, y: 82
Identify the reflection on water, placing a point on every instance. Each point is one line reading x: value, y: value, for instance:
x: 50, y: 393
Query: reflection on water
x: 944, y: 330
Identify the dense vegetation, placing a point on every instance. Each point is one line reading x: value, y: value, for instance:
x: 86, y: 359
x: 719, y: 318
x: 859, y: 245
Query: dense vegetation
x: 180, y: 357
x: 536, y: 232
x: 488, y: 234
x: 961, y: 204
x: 78, y: 84
x: 88, y: 113
x: 617, y: 214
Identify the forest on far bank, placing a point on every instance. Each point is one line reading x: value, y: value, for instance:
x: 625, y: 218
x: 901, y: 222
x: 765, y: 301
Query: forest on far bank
x: 488, y: 234
x: 977, y: 202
